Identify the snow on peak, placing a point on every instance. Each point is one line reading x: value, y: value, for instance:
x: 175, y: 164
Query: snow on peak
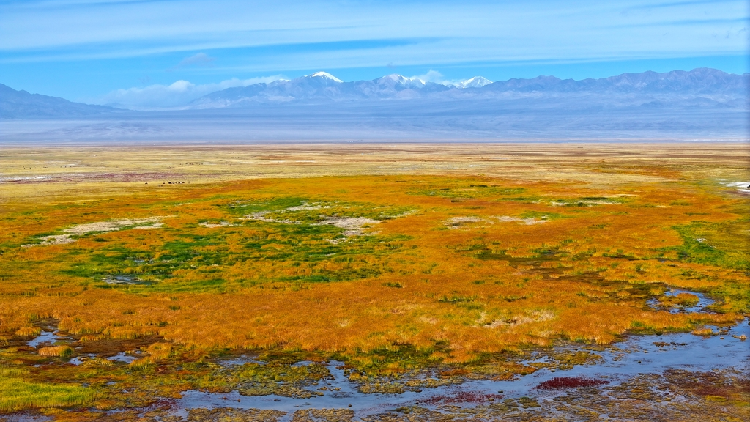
x: 325, y: 75
x: 401, y: 79
x: 475, y: 82
x: 395, y: 77
x: 435, y: 78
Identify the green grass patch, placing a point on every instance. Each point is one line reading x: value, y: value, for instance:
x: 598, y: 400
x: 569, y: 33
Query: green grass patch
x: 717, y: 244
x: 17, y: 394
x: 196, y: 262
x: 468, y: 191
x: 243, y: 207
x: 541, y: 215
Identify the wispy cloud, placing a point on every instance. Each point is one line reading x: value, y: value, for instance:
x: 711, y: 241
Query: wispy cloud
x: 193, y: 25
x: 199, y: 59
x: 672, y: 4
x: 238, y: 45
x: 687, y: 22
x: 174, y: 95
x: 128, y: 38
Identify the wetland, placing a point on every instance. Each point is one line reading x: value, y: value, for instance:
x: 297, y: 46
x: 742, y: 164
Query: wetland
x: 375, y: 283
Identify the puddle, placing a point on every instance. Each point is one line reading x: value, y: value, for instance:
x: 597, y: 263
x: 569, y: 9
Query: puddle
x: 228, y: 363
x: 26, y: 418
x: 122, y: 279
x: 742, y: 187
x: 122, y: 357
x: 650, y: 354
x: 78, y: 360
x: 362, y: 404
x: 700, y: 307
x: 636, y: 355
x: 44, y: 337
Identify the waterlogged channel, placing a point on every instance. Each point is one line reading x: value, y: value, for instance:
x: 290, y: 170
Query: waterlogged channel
x: 637, y: 355
x: 701, y: 306
x: 620, y: 364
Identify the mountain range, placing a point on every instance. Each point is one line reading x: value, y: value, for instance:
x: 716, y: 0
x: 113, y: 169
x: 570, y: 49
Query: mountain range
x: 702, y: 86
x: 21, y: 104
x: 323, y: 87
x: 697, y: 104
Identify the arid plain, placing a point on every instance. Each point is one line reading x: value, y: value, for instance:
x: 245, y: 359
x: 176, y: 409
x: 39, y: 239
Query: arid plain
x: 375, y: 282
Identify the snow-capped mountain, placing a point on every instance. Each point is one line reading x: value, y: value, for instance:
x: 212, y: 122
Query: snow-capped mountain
x: 416, y: 82
x: 322, y: 87
x: 324, y: 76
x: 701, y: 87
x: 475, y: 82
x: 396, y: 79
x: 699, y: 104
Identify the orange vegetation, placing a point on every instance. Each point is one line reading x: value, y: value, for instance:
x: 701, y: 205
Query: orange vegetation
x: 481, y: 263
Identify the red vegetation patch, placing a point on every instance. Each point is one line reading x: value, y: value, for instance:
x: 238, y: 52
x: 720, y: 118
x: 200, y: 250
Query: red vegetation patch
x: 709, y: 384
x: 461, y: 397
x: 569, y: 382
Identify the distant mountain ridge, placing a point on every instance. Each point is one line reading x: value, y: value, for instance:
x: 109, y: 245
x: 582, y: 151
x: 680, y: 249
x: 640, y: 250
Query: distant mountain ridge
x: 703, y: 88
x: 698, y: 81
x: 324, y: 87
x: 701, y: 104
x: 21, y: 104
x: 318, y: 86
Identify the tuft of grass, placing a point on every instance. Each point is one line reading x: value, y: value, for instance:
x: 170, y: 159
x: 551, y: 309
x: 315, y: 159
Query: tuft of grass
x: 61, y: 351
x: 17, y: 394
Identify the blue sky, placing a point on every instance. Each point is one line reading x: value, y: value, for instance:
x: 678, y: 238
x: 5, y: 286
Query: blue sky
x: 170, y: 50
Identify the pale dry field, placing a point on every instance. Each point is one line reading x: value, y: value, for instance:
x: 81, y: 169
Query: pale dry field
x: 29, y: 172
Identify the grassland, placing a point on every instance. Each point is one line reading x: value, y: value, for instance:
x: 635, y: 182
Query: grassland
x: 391, y: 258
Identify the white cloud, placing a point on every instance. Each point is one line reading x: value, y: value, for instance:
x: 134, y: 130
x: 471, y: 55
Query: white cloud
x: 431, y: 76
x: 176, y: 95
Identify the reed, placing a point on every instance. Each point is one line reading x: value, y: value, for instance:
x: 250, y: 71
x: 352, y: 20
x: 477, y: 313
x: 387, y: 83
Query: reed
x: 57, y: 351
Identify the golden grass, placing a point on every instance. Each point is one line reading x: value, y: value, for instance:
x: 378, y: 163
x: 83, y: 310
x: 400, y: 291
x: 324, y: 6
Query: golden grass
x: 431, y: 264
x: 60, y: 351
